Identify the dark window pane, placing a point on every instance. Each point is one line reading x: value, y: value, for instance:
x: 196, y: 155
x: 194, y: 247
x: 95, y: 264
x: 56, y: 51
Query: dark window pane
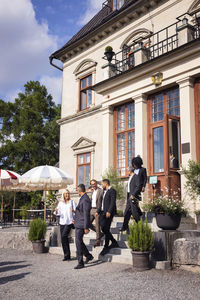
x: 87, y: 158
x: 173, y: 126
x: 83, y: 100
x: 173, y: 103
x: 158, y: 149
x: 121, y: 119
x: 157, y: 111
x: 87, y: 176
x: 131, y: 146
x: 89, y: 97
x: 80, y: 175
x: 83, y: 83
x: 131, y: 115
x: 90, y: 80
x: 121, y: 154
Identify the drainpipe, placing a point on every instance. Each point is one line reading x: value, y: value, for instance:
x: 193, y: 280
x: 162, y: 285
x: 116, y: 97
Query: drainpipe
x: 51, y: 63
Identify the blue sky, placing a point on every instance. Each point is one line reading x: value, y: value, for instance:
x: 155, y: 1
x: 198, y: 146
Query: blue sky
x: 30, y: 30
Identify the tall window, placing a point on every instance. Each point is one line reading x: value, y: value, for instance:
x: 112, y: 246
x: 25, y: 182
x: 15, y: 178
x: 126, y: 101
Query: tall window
x: 124, y: 137
x: 117, y: 4
x: 85, y: 92
x: 83, y: 169
x: 165, y: 129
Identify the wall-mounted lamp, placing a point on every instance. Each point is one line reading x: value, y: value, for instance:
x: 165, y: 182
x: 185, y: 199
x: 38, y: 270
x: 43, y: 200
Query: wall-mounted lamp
x: 184, y: 21
x: 157, y: 78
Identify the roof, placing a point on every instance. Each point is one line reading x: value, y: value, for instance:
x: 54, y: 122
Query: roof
x: 104, y: 15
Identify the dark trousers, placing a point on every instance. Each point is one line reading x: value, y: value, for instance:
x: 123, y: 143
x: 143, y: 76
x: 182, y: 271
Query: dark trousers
x: 132, y: 208
x: 105, y: 224
x: 64, y: 233
x: 81, y: 249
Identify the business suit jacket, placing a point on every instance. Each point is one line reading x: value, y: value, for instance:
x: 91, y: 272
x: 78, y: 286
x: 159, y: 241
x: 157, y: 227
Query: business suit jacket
x: 137, y: 183
x: 82, y: 215
x: 109, y: 202
x: 99, y: 198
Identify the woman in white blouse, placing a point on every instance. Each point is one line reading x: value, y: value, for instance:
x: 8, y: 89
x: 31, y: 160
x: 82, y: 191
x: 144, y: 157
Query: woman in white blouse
x: 66, y: 210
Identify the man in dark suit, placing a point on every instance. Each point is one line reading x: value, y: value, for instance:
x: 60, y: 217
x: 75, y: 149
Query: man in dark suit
x: 82, y: 225
x: 107, y: 210
x: 136, y: 185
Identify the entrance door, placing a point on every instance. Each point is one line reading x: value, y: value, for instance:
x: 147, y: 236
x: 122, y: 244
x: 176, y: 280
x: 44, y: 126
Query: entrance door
x: 164, y: 140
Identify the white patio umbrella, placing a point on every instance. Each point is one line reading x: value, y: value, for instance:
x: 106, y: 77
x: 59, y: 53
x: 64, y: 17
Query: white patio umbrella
x: 8, y: 179
x: 45, y: 178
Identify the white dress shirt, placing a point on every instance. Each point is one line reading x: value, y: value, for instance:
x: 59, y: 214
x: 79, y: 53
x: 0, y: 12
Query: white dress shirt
x: 94, y: 199
x: 129, y: 181
x: 65, y: 212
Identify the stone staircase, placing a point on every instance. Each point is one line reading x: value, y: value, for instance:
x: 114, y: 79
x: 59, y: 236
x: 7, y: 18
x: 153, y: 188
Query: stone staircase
x: 163, y: 243
x: 117, y: 255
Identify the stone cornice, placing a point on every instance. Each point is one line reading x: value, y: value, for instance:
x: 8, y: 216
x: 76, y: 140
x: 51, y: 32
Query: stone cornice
x: 112, y: 25
x: 80, y: 115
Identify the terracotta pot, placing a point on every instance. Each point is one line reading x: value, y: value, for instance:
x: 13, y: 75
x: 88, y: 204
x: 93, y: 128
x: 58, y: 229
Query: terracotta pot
x: 38, y: 246
x: 168, y: 222
x: 140, y: 260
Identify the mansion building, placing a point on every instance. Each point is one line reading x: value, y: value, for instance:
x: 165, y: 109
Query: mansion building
x: 142, y: 97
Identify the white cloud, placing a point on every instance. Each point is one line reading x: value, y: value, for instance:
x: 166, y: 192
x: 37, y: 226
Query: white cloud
x: 25, y: 46
x: 92, y: 7
x: 54, y: 87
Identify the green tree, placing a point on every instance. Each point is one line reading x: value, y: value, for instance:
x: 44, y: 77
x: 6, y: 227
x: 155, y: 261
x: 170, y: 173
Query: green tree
x: 30, y: 135
x: 115, y: 181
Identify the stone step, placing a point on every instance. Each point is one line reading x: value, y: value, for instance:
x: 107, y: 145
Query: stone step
x: 116, y: 255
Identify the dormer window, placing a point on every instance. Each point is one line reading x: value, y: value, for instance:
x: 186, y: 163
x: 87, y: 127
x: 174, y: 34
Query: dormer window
x: 117, y: 4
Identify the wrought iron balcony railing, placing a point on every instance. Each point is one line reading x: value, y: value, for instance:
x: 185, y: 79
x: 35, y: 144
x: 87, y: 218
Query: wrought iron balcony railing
x: 154, y: 45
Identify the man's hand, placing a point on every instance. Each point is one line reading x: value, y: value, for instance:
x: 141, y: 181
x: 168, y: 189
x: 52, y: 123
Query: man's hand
x: 143, y: 189
x: 86, y: 231
x: 107, y: 215
x: 131, y: 197
x: 96, y: 214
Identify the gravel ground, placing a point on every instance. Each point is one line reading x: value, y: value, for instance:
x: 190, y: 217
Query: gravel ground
x: 30, y: 276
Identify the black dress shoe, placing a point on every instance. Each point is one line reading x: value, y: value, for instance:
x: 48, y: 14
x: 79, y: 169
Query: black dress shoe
x: 122, y: 229
x: 66, y: 258
x: 79, y: 267
x: 104, y: 251
x: 114, y: 245
x: 89, y: 258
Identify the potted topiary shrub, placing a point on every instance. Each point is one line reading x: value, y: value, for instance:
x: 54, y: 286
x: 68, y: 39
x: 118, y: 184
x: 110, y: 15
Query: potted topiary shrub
x: 140, y: 241
x: 109, y: 53
x: 37, y: 232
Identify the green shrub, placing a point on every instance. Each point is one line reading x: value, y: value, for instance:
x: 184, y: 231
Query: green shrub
x: 37, y: 230
x: 140, y: 237
x: 120, y: 213
x: 192, y: 174
x: 115, y: 182
x: 108, y: 49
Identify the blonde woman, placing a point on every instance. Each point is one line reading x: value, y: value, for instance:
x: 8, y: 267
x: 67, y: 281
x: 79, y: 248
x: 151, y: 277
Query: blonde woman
x: 66, y: 210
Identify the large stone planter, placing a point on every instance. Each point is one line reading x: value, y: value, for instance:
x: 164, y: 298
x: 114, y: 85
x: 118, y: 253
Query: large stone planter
x: 168, y: 222
x: 38, y: 246
x: 140, y: 260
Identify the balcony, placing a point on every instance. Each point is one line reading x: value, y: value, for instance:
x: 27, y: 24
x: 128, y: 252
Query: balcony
x: 144, y: 49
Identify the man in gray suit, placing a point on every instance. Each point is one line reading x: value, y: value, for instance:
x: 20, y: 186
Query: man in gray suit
x: 96, y: 200
x: 82, y: 225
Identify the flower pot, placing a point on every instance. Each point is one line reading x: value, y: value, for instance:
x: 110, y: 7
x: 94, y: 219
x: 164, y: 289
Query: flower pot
x: 109, y: 55
x: 38, y: 246
x: 168, y: 222
x: 140, y: 260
